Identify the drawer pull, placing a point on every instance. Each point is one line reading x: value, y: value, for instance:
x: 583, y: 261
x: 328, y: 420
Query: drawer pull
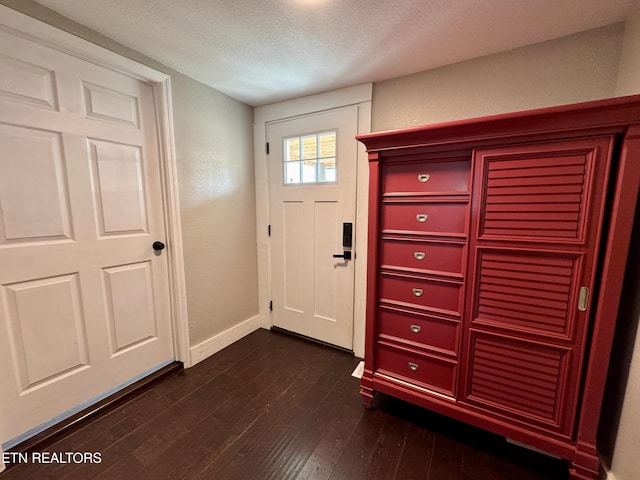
x: 419, y: 255
x: 413, y: 366
x: 416, y: 328
x: 418, y: 292
x: 422, y: 217
x: 424, y: 177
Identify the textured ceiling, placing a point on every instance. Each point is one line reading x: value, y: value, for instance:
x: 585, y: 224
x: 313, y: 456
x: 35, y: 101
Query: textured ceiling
x: 262, y: 51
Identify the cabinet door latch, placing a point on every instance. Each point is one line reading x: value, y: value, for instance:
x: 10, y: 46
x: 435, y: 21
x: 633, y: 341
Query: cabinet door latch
x: 583, y: 299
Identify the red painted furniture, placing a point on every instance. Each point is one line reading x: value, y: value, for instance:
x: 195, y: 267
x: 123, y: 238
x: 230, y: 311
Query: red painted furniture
x: 497, y: 249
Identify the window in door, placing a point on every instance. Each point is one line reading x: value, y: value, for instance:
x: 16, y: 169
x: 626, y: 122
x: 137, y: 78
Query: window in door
x: 310, y: 158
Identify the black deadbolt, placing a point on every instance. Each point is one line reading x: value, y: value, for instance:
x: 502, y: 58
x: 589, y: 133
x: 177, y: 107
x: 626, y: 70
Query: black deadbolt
x: 157, y: 246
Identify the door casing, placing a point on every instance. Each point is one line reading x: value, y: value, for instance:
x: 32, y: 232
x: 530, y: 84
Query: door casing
x: 360, y: 96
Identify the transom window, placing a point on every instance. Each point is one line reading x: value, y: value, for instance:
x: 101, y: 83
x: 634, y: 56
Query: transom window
x: 310, y: 158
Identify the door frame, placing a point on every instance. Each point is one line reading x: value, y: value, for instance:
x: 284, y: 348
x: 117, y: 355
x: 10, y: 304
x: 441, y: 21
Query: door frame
x: 52, y: 37
x: 359, y: 96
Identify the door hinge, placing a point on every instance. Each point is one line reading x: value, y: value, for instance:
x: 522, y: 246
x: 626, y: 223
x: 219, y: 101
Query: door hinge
x: 269, y: 230
x: 267, y: 147
x: 271, y: 306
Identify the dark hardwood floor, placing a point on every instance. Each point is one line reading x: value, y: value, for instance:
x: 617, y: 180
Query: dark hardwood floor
x: 272, y: 406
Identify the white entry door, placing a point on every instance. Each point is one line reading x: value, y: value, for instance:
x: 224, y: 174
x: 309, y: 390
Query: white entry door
x: 312, y: 167
x: 83, y: 295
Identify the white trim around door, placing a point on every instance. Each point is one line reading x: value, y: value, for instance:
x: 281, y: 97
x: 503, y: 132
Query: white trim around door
x: 52, y: 37
x: 360, y: 96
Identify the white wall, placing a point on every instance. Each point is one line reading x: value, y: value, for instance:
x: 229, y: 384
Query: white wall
x: 571, y: 69
x: 629, y: 70
x: 214, y: 149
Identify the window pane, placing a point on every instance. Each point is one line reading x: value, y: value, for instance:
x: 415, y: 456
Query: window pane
x: 327, y: 144
x: 292, y: 172
x: 310, y: 158
x: 327, y: 170
x: 309, y: 171
x: 292, y: 149
x: 310, y: 147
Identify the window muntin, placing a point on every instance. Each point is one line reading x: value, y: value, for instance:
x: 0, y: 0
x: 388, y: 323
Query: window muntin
x: 310, y: 158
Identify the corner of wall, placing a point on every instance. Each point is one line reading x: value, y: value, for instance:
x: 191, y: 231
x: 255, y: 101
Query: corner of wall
x: 222, y: 340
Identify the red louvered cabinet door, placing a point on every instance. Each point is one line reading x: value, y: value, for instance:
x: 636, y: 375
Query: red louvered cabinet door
x: 537, y: 211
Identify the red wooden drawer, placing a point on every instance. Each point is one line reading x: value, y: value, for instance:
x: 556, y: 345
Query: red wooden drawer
x: 422, y: 370
x: 435, y: 217
x: 442, y: 177
x: 424, y: 331
x: 433, y: 294
x: 424, y: 256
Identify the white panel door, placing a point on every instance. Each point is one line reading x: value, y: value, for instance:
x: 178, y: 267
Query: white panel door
x: 311, y: 196
x: 83, y: 296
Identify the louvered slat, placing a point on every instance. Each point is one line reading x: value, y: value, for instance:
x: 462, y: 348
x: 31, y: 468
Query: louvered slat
x: 541, y: 305
x: 518, y: 194
x: 517, y: 376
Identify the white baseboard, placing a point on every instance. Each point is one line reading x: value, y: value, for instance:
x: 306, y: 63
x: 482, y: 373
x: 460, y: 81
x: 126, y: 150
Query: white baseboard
x: 359, y: 370
x: 224, y: 339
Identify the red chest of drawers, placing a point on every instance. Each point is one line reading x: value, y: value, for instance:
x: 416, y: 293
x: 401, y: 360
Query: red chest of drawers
x: 497, y: 249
